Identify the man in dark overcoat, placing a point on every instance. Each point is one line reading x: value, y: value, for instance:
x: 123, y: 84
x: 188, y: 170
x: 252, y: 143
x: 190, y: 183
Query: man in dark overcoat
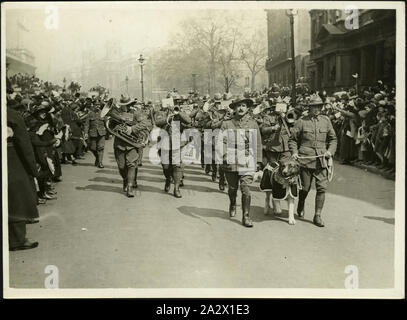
x: 21, y: 169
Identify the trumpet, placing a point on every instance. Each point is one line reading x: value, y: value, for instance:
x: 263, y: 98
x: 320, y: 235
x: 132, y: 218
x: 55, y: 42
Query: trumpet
x: 117, y: 125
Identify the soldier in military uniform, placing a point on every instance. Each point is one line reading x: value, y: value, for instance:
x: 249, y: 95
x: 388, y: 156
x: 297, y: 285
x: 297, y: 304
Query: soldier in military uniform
x: 213, y: 122
x: 96, y: 131
x: 235, y: 172
x: 313, y: 140
x: 127, y: 155
x: 164, y: 119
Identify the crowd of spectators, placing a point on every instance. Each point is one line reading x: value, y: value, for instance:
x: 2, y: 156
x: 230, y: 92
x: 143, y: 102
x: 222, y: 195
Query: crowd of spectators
x: 45, y: 129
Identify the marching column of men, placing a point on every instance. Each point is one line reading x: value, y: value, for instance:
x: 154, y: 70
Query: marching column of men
x: 277, y: 137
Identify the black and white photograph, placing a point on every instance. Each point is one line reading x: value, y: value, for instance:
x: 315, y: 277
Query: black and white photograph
x: 203, y: 149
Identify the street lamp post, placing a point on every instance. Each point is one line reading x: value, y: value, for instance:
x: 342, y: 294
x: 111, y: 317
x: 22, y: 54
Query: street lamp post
x: 141, y: 61
x: 127, y: 85
x: 290, y: 13
x: 194, y: 81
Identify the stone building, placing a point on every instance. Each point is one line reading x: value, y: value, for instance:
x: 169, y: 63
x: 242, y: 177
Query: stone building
x: 20, y: 61
x: 337, y: 51
x: 278, y: 64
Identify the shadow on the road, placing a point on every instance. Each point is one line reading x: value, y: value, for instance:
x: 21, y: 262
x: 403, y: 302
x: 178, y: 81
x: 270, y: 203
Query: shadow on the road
x: 200, y: 213
x: 157, y: 168
x: 106, y: 171
x: 98, y: 187
x: 119, y: 181
x: 385, y: 220
x: 104, y: 188
x: 256, y: 213
x: 351, y: 182
x: 93, y: 165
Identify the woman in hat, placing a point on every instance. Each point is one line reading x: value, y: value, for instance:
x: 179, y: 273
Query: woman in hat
x: 240, y: 171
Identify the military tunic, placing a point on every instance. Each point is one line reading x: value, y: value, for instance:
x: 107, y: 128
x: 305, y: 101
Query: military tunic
x: 237, y: 172
x: 96, y: 130
x: 275, y: 139
x: 311, y: 137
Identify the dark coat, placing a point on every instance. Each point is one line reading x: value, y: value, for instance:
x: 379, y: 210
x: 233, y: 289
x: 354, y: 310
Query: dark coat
x: 22, y: 197
x: 71, y: 118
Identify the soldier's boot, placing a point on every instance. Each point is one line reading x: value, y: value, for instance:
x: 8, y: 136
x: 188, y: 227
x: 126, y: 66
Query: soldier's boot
x: 232, y: 202
x: 135, y: 185
x: 214, y: 172
x: 222, y: 181
x: 130, y: 180
x: 207, y: 168
x: 319, y: 204
x: 100, y: 158
x: 246, y: 220
x: 177, y: 174
x: 301, y: 203
x: 167, y: 185
x: 95, y: 153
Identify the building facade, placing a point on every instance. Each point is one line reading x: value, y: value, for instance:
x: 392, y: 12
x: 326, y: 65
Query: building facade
x: 278, y: 64
x: 338, y: 52
x: 117, y: 72
x: 19, y: 61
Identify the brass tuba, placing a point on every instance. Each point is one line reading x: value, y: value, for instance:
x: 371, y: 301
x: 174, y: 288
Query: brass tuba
x: 117, y: 123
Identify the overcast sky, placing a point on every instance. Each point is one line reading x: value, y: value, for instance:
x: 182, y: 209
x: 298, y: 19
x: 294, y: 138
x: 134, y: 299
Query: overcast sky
x: 82, y: 28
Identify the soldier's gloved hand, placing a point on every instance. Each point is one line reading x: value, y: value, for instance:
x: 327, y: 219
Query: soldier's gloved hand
x: 327, y: 155
x: 85, y: 137
x: 129, y: 130
x: 295, y: 156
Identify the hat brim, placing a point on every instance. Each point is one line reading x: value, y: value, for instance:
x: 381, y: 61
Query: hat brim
x: 249, y: 103
x: 319, y: 104
x: 123, y: 104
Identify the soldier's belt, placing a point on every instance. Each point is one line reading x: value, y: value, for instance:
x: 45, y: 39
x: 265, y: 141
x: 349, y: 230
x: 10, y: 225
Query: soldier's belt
x: 313, y: 144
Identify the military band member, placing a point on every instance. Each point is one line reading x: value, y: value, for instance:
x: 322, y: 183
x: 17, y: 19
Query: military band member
x: 164, y: 119
x: 95, y: 130
x: 314, y: 139
x: 275, y: 137
x: 127, y: 155
x: 214, y: 121
x: 235, y: 174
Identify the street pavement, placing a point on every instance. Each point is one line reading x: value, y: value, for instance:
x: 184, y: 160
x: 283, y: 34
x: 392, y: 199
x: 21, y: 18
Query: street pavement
x: 99, y: 238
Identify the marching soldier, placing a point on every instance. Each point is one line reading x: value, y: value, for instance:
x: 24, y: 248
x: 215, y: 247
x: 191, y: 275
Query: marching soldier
x: 214, y: 121
x: 235, y: 172
x: 312, y: 142
x: 95, y: 130
x: 164, y: 119
x: 275, y: 136
x: 127, y: 155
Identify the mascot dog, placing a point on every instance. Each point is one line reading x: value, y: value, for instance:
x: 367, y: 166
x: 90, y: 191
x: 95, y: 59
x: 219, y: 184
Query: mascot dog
x: 281, y: 181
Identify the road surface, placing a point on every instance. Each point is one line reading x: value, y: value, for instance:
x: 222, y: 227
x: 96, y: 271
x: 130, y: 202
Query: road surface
x: 99, y: 238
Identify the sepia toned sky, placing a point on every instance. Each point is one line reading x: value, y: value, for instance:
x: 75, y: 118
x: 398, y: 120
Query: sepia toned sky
x: 89, y: 27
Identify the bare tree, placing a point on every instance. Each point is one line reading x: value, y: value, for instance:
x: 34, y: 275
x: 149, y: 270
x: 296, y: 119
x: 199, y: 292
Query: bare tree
x: 228, y: 59
x: 209, y: 34
x: 253, y: 53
